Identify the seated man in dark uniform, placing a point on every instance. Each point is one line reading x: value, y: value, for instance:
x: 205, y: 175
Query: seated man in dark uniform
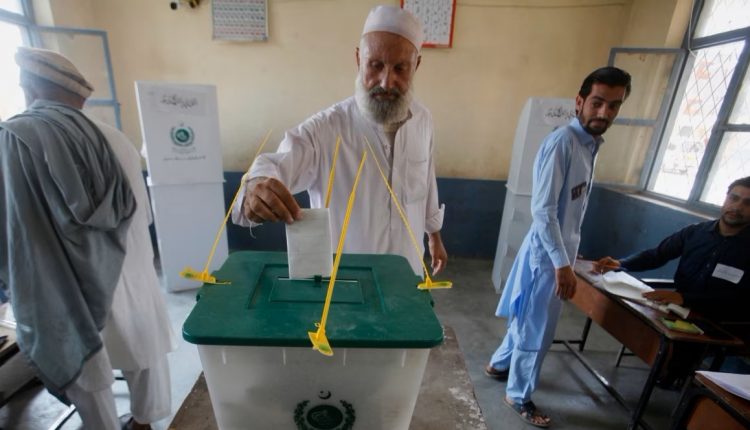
x: 712, y: 276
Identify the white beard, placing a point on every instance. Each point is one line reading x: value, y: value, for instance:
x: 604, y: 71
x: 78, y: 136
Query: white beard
x: 381, y: 111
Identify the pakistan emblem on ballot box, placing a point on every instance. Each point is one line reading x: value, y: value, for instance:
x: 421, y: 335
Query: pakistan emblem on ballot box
x: 324, y: 416
x: 183, y: 137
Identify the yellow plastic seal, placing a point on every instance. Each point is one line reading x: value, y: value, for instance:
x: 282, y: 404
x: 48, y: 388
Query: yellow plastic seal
x: 190, y: 273
x: 318, y: 338
x: 428, y: 283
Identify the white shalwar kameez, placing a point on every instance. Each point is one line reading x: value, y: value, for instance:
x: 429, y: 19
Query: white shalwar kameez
x: 138, y: 333
x: 303, y: 162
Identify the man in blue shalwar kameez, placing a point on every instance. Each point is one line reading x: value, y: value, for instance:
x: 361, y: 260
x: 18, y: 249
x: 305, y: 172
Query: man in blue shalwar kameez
x: 542, y: 274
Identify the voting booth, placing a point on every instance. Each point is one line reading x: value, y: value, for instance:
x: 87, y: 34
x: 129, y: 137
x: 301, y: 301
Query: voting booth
x: 539, y: 117
x: 180, y: 128
x: 257, y: 357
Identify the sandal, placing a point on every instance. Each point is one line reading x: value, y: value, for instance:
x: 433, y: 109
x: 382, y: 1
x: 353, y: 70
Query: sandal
x: 128, y: 423
x: 528, y: 413
x: 500, y: 375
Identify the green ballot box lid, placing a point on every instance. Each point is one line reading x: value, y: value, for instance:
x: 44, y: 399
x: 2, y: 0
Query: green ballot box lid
x: 375, y: 304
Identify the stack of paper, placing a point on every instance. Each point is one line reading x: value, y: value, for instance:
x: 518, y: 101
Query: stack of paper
x: 626, y: 286
x: 585, y: 269
x: 682, y: 311
x: 735, y: 383
x: 623, y: 285
x: 7, y: 319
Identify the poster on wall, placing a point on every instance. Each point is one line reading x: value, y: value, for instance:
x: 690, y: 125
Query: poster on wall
x: 240, y: 20
x: 436, y: 17
x: 180, y: 126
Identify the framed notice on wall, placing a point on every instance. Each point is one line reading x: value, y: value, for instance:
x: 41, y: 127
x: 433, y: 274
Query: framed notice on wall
x: 240, y: 20
x: 436, y: 17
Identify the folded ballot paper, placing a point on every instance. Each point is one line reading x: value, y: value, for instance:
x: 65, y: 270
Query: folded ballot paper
x: 308, y: 243
x: 626, y: 286
x: 737, y: 384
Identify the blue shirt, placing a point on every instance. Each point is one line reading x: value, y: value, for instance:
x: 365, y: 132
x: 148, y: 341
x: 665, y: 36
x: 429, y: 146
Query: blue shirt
x: 700, y: 248
x: 563, y: 172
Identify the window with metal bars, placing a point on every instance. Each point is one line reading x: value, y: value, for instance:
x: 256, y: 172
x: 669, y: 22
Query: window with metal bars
x: 88, y: 49
x: 14, y: 32
x: 704, y: 142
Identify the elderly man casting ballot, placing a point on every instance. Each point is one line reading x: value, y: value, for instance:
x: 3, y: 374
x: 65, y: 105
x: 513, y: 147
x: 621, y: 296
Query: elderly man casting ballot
x: 400, y: 132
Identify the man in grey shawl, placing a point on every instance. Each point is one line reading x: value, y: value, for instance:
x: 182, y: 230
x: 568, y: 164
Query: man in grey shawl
x: 67, y: 205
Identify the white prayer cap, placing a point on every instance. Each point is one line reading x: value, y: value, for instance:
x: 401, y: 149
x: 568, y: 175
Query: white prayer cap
x: 51, y: 66
x: 393, y: 19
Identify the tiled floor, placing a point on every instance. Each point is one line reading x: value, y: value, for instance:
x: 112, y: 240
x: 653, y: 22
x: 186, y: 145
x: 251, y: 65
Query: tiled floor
x: 566, y: 391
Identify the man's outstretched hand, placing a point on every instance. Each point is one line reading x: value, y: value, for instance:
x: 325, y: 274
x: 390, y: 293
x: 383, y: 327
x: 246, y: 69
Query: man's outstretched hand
x: 268, y: 199
x: 604, y: 265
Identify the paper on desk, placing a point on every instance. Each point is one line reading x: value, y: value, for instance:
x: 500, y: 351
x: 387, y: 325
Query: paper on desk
x: 308, y: 244
x: 585, y: 268
x: 617, y: 283
x: 737, y: 384
x: 626, y: 286
x: 7, y: 319
x: 623, y: 285
x: 682, y: 311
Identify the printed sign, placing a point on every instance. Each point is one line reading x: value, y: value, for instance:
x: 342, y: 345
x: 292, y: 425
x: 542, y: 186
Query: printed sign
x: 180, y: 127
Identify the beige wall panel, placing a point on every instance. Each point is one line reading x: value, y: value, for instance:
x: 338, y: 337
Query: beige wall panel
x: 503, y: 52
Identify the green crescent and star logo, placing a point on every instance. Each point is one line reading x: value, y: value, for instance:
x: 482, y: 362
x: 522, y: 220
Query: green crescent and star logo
x: 182, y: 135
x: 183, y: 138
x: 324, y: 416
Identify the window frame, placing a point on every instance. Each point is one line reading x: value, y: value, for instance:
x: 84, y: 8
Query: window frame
x: 24, y: 20
x: 664, y: 108
x: 112, y: 101
x: 719, y: 128
x: 31, y: 34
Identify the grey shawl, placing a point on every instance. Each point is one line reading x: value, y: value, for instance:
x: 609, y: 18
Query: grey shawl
x: 66, y: 207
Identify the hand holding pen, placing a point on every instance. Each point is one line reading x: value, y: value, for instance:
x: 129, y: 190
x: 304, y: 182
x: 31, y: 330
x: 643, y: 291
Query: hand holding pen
x: 606, y: 264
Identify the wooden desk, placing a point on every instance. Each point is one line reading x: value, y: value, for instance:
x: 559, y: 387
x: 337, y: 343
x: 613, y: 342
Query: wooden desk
x: 706, y: 406
x: 446, y: 397
x: 638, y: 328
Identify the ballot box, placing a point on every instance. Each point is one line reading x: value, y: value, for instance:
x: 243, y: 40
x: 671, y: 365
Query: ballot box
x: 261, y: 370
x: 180, y: 125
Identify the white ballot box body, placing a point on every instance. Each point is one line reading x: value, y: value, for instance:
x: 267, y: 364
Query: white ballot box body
x: 180, y: 128
x: 377, y: 387
x: 187, y: 221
